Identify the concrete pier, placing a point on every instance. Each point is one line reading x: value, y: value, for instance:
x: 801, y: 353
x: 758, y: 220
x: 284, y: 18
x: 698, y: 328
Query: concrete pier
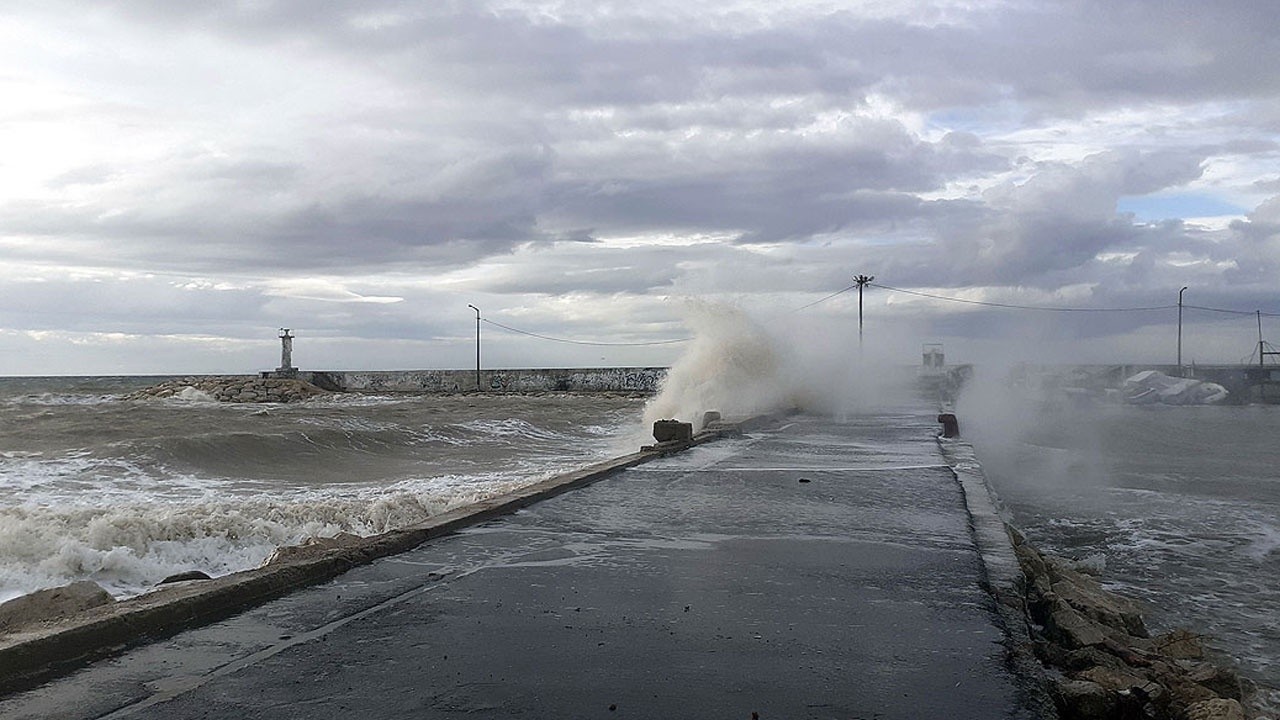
x: 819, y: 569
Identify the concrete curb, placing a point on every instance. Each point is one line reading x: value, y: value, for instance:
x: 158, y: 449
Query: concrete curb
x: 38, y: 653
x: 1003, y: 575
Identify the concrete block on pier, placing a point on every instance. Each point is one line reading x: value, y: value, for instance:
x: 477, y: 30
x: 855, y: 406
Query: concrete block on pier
x: 672, y: 431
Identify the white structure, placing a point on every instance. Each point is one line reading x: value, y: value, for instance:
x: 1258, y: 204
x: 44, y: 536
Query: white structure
x: 286, y: 352
x: 1150, y: 387
x: 934, y: 358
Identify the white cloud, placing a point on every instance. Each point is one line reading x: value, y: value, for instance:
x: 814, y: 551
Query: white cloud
x: 324, y: 290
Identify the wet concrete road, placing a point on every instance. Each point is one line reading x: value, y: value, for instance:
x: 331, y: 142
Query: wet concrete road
x: 821, y: 570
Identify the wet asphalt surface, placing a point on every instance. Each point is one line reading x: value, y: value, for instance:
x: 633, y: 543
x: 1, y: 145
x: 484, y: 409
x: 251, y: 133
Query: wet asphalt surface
x: 823, y: 569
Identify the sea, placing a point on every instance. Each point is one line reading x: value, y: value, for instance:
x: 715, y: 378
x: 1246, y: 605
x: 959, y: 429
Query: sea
x: 1176, y: 506
x: 128, y: 492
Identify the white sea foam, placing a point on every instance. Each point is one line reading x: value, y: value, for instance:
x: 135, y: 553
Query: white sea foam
x: 1265, y: 542
x: 58, y: 399
x: 128, y: 536
x: 190, y: 394
x: 129, y: 546
x: 513, y: 428
x: 80, y: 477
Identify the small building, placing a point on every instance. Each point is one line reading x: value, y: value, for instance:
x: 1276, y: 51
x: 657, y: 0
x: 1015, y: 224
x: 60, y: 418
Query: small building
x: 934, y: 359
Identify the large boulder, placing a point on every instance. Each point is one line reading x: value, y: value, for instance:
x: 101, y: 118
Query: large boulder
x: 1179, y: 645
x: 1086, y: 595
x: 313, y: 548
x: 1071, y: 629
x: 1217, y: 709
x: 52, y: 604
x: 1083, y: 700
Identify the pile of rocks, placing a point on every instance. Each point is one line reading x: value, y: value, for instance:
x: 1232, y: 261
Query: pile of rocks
x: 1103, y: 662
x: 233, y: 388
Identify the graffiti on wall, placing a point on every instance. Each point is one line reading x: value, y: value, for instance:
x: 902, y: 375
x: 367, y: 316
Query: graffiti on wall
x: 637, y: 380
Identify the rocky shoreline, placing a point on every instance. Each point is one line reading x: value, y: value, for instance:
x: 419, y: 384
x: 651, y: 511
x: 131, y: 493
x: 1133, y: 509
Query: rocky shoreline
x: 1102, y: 663
x: 232, y: 388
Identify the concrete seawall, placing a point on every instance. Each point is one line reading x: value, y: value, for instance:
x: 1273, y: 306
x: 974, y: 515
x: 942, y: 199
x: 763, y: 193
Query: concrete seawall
x: 579, y: 380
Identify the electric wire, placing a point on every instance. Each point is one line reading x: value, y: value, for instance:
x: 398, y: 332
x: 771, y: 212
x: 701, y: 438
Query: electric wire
x: 817, y: 302
x: 917, y: 293
x: 583, y: 342
x: 1072, y: 309
x: 1252, y: 313
x: 1011, y: 306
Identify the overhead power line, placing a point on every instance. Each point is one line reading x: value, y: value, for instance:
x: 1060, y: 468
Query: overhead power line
x: 917, y: 293
x: 1230, y: 312
x: 819, y: 302
x: 1011, y: 306
x: 584, y: 342
x: 1050, y: 308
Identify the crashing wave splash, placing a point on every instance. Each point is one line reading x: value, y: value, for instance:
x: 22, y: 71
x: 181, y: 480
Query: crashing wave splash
x: 127, y: 548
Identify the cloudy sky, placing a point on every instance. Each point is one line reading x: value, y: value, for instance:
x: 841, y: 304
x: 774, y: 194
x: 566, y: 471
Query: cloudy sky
x: 178, y: 180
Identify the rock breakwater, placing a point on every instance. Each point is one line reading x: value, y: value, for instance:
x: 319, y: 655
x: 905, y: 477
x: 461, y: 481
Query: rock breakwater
x: 232, y: 388
x: 1103, y: 663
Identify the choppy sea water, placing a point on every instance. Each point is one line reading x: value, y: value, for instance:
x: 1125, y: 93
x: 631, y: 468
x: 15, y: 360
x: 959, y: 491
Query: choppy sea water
x: 1182, y: 503
x: 127, y: 492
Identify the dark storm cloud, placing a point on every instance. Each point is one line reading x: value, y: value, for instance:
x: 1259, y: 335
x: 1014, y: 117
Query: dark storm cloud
x: 784, y: 188
x: 1052, y: 51
x: 672, y: 80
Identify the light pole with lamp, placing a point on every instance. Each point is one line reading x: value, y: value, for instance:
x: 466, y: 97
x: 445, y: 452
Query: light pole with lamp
x: 473, y: 307
x: 1184, y: 289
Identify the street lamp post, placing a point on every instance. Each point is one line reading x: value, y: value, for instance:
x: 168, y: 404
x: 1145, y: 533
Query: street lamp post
x: 473, y: 307
x: 1184, y: 289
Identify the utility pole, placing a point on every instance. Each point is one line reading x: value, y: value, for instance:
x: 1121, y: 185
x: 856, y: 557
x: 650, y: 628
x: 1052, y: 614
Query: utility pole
x: 473, y: 307
x: 1263, y: 352
x: 1262, y: 349
x: 1184, y: 289
x: 861, y: 280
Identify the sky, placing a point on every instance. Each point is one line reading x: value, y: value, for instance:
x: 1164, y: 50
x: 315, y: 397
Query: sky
x: 180, y: 180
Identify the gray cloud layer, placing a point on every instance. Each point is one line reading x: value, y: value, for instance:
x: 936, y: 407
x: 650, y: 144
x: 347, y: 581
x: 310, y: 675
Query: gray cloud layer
x: 518, y: 151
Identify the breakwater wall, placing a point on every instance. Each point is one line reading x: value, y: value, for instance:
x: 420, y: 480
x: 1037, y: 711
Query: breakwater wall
x: 643, y: 380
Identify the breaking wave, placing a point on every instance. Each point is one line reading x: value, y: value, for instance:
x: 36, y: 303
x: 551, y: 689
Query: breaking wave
x: 741, y: 365
x: 129, y: 546
x: 128, y: 492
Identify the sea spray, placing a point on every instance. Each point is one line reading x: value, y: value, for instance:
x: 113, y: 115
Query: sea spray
x: 743, y: 364
x: 733, y: 365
